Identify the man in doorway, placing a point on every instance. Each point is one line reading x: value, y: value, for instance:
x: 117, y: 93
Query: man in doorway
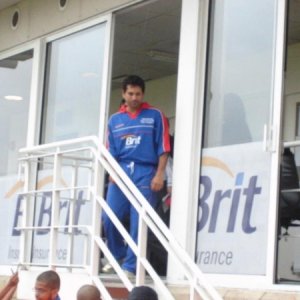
x: 138, y: 138
x: 47, y: 286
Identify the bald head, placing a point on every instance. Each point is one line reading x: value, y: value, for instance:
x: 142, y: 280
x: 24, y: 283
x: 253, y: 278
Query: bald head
x: 88, y: 292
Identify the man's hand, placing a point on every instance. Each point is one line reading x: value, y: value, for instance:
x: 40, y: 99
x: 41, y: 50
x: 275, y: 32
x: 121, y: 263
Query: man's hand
x: 157, y: 182
x: 13, y: 280
x: 110, y: 179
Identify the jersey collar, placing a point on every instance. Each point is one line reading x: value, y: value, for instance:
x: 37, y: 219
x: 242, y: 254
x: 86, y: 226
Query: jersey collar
x: 144, y: 105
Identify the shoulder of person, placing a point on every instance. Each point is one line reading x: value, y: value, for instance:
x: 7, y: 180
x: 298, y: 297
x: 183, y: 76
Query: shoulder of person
x: 114, y: 116
x: 152, y: 108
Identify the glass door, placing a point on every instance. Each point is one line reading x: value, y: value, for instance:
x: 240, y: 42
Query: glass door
x: 73, y: 85
x: 15, y: 85
x: 73, y: 107
x: 235, y: 181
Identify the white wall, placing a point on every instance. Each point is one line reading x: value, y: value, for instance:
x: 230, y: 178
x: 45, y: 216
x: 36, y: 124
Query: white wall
x: 41, y: 17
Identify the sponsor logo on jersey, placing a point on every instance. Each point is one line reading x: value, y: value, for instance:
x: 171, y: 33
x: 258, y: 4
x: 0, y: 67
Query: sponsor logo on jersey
x: 147, y: 121
x: 132, y: 140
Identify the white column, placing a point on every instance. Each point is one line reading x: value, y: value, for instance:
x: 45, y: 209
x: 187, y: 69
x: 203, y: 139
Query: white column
x: 188, y: 127
x: 276, y: 144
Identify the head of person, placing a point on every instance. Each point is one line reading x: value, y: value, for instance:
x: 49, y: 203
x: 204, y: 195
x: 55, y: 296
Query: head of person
x: 47, y: 285
x: 133, y: 89
x: 142, y: 293
x: 88, y: 292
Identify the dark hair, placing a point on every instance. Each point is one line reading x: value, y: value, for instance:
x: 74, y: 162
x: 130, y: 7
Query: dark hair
x: 51, y: 278
x: 135, y: 81
x: 122, y: 102
x: 88, y: 291
x: 142, y: 293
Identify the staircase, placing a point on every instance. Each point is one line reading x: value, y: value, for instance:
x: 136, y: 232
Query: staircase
x: 63, y: 184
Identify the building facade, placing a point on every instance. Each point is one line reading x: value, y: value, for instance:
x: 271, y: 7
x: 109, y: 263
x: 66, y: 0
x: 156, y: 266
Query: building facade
x: 226, y: 75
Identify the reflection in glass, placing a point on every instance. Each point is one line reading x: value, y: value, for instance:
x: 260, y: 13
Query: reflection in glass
x: 73, y: 85
x: 240, y: 64
x: 15, y: 81
x: 235, y: 129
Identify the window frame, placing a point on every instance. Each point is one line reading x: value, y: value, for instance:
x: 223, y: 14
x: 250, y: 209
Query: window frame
x: 103, y: 107
x: 34, y: 122
x: 30, y: 46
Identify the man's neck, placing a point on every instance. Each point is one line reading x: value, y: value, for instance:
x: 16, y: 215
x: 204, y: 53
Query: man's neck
x: 133, y: 110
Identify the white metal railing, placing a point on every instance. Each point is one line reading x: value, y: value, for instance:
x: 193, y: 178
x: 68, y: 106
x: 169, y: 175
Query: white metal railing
x: 89, y: 154
x: 295, y: 143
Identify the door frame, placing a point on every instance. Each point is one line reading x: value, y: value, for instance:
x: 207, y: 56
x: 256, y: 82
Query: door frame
x: 190, y: 101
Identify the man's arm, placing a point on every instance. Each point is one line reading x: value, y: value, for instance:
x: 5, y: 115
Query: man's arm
x: 9, y: 289
x: 9, y: 295
x: 157, y: 182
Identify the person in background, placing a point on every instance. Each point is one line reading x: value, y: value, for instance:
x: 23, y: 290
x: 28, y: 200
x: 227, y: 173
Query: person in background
x: 142, y: 293
x: 47, y: 286
x: 9, y: 289
x: 138, y: 138
x: 88, y: 292
x: 156, y: 253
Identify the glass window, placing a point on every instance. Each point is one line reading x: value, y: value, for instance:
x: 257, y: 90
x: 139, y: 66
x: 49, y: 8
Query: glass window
x: 15, y: 81
x: 239, y: 76
x: 73, y: 85
x: 71, y: 109
x: 235, y: 166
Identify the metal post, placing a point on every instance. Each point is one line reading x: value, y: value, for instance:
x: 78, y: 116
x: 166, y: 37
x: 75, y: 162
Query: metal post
x: 26, y: 199
x: 55, y: 208
x: 142, y: 248
x: 72, y: 202
x: 95, y: 252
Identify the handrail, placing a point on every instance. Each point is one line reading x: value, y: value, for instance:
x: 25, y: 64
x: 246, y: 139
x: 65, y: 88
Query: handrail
x: 58, y: 144
x: 191, y: 271
x: 148, y: 216
x: 291, y: 144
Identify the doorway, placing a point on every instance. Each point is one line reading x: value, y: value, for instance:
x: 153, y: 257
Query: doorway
x: 146, y: 43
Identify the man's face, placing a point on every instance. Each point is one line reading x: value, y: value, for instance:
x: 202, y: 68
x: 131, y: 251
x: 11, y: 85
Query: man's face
x: 43, y: 292
x: 134, y: 97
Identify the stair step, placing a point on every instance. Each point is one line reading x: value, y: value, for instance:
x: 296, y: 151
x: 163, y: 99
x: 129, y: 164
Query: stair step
x: 118, y: 293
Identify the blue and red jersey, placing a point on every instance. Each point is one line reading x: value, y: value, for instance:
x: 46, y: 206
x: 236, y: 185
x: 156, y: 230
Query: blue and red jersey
x: 141, y: 137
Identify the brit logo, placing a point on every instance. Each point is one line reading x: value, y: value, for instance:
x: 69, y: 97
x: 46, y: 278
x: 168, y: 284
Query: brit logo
x: 132, y: 140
